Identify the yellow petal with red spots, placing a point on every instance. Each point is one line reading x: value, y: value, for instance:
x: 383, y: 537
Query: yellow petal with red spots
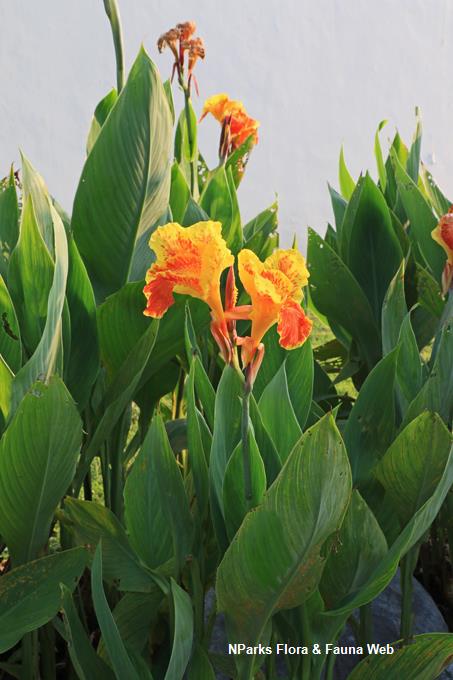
x: 189, y: 261
x: 220, y: 106
x: 275, y: 289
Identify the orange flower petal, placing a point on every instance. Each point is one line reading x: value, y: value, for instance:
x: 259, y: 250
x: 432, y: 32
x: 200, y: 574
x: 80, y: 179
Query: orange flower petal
x: 292, y: 264
x: 443, y: 234
x: 159, y: 297
x: 294, y: 326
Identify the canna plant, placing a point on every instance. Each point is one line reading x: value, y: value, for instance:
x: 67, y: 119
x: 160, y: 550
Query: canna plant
x: 170, y: 449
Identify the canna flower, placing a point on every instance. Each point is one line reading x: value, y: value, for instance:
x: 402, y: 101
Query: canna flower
x: 169, y: 39
x: 237, y: 125
x: 189, y: 261
x: 443, y: 235
x: 180, y: 40
x: 275, y: 289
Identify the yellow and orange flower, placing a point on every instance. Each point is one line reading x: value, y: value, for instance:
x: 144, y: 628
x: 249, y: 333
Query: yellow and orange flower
x: 275, y: 289
x: 232, y: 112
x: 443, y: 235
x: 189, y: 261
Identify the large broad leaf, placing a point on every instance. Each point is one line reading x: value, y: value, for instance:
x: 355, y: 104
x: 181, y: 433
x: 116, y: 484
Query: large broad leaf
x: 121, y: 663
x: 413, y: 465
x: 277, y: 557
x: 30, y: 595
x: 424, y: 659
x: 369, y: 245
x: 421, y: 217
x: 362, y: 547
x: 84, y: 360
x: 38, y: 455
x: 156, y: 508
x: 371, y: 424
x: 47, y: 358
x: 411, y: 534
x: 9, y: 224
x: 351, y: 309
x: 10, y: 344
x: 125, y: 182
x: 89, y: 523
x: 86, y: 662
x: 30, y: 278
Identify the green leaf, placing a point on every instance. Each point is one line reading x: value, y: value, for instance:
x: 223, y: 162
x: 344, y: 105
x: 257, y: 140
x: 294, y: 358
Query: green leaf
x: 156, y: 508
x: 362, y: 546
x: 437, y: 392
x: 421, y: 217
x: 394, y: 311
x: 339, y: 206
x: 409, y: 365
x: 9, y: 225
x: 182, y: 616
x: 413, y: 160
x: 226, y: 435
x: 179, y: 193
x: 235, y: 504
x: 200, y: 667
x: 30, y: 278
x: 186, y: 144
x: 34, y: 188
x: 258, y: 230
x: 121, y: 663
x: 118, y: 396
x: 300, y: 374
x: 125, y: 182
x: 411, y: 534
x: 347, y: 184
x: 30, y: 594
x: 6, y: 386
x: 134, y: 616
x: 193, y: 214
x: 89, y: 524
x: 328, y: 275
x: 277, y: 557
x: 379, y: 158
x: 218, y: 201
x: 101, y: 112
x: 429, y: 293
x: 169, y: 94
x: 84, y: 360
x: 197, y: 456
x: 286, y: 431
x: 413, y: 465
x: 369, y: 245
x: 371, y: 423
x: 38, y: 455
x: 10, y: 344
x: 425, y: 658
x: 47, y: 356
x: 86, y: 662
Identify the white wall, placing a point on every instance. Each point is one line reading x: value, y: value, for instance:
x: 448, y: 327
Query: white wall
x: 316, y: 73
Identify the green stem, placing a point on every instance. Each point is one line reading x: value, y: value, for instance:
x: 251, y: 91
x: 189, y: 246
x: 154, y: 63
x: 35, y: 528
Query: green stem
x: 307, y: 640
x: 366, y: 625
x: 407, y: 569
x: 30, y: 660
x: 47, y: 648
x: 246, y: 444
x: 112, y: 11
x: 191, y: 140
x: 331, y: 658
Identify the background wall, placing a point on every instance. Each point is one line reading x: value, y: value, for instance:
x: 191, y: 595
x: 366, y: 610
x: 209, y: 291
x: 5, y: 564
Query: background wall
x: 316, y: 73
